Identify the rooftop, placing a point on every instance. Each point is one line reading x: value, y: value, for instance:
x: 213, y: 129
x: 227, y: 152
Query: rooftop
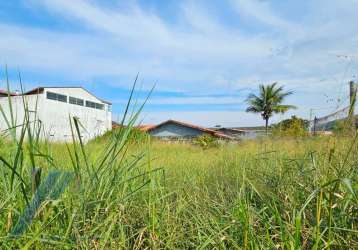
x: 5, y: 93
x: 205, y: 130
x: 39, y: 90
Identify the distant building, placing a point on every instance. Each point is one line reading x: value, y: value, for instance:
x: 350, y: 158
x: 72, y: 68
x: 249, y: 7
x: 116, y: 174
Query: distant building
x: 145, y: 128
x: 52, y: 107
x: 4, y: 93
x: 242, y: 133
x: 172, y: 129
x: 237, y: 133
x: 324, y: 133
x: 115, y: 125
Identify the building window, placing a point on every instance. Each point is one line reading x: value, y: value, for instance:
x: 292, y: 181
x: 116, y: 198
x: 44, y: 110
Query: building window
x: 61, y: 98
x: 99, y: 106
x: 76, y: 101
x: 90, y: 104
x: 72, y: 100
x: 56, y: 97
x: 94, y: 105
x: 109, y: 108
x: 51, y: 96
x: 80, y: 102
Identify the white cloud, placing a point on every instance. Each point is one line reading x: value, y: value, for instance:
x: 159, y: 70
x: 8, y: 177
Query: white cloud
x: 200, y: 19
x: 122, y: 43
x: 263, y: 12
x: 43, y: 50
x: 146, y: 32
x: 198, y: 54
x: 189, y: 101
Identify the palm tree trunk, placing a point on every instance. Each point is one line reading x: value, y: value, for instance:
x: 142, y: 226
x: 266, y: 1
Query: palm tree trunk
x: 266, y: 125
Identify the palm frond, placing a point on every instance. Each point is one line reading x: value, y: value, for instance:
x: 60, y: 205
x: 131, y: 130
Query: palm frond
x: 252, y: 109
x: 269, y: 100
x: 251, y: 96
x: 283, y: 108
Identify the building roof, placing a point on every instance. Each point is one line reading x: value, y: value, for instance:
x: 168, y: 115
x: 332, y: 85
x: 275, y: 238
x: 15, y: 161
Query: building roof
x: 231, y: 130
x: 202, y: 129
x: 115, y: 125
x: 39, y: 90
x: 6, y: 93
x: 146, y: 127
x: 257, y: 128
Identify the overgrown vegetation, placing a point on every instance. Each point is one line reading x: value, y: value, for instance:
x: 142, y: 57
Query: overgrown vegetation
x: 293, y: 127
x: 273, y: 194
x: 206, y: 141
x: 128, y: 193
x: 342, y: 127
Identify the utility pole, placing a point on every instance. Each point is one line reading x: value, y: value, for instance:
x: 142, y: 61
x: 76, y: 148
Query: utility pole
x: 352, y: 101
x: 311, y: 126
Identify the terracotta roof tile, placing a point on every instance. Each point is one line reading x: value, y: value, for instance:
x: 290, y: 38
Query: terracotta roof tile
x: 145, y: 127
x: 205, y: 130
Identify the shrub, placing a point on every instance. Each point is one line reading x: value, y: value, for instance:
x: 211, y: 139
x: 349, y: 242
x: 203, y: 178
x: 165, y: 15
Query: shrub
x: 206, y: 141
x: 135, y: 136
x: 344, y: 126
x: 293, y: 127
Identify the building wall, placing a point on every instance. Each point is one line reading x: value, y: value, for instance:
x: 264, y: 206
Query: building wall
x: 56, y: 115
x: 243, y: 134
x: 231, y: 132
x: 175, y: 130
x: 252, y: 134
x: 18, y: 112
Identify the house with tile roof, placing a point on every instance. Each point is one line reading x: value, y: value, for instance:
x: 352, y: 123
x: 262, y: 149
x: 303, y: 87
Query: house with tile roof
x: 172, y: 129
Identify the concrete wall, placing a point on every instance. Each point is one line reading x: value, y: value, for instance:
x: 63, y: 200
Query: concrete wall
x: 252, y: 134
x: 17, y: 119
x: 231, y: 132
x: 55, y: 115
x: 175, y: 130
x: 244, y: 134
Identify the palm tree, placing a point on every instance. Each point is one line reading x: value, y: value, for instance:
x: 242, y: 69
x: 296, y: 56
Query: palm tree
x: 268, y: 102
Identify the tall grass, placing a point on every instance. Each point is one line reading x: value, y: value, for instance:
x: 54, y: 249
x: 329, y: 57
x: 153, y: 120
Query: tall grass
x: 268, y: 195
x: 102, y: 181
x: 131, y: 192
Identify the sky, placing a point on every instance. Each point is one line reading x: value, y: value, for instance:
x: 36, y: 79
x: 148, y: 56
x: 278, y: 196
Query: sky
x: 203, y: 57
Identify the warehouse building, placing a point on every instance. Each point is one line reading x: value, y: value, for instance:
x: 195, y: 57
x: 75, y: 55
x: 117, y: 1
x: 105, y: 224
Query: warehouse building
x: 53, y: 107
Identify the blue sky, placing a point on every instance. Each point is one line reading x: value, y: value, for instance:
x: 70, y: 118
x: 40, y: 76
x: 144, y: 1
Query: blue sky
x: 204, y: 57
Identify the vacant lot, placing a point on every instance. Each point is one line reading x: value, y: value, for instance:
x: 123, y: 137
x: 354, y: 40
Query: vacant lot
x: 130, y: 192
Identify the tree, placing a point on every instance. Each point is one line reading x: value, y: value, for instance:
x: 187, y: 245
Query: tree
x: 268, y: 102
x: 293, y: 127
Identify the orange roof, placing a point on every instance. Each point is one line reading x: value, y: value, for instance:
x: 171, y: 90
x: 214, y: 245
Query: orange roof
x: 115, y: 124
x: 145, y: 128
x: 205, y: 130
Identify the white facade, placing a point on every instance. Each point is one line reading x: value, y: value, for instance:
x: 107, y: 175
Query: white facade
x: 55, y: 106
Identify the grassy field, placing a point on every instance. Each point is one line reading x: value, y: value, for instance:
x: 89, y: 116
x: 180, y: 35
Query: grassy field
x: 128, y: 192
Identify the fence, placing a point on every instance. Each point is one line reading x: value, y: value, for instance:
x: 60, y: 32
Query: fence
x: 327, y: 122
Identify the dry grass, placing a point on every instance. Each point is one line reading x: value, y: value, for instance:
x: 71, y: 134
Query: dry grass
x: 283, y: 194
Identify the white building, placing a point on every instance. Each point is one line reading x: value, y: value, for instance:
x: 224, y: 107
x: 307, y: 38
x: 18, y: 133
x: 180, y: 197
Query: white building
x: 53, y: 107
